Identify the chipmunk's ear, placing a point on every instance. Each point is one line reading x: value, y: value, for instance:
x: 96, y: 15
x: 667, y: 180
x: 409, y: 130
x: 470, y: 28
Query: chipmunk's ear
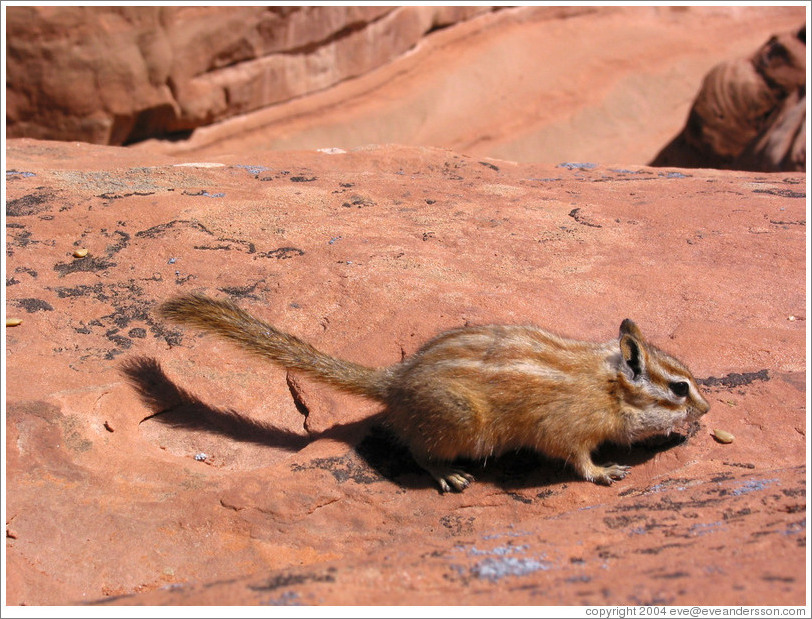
x: 628, y: 327
x: 632, y: 348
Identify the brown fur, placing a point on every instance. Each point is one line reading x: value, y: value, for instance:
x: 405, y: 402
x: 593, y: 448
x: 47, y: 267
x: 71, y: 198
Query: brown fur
x: 480, y: 391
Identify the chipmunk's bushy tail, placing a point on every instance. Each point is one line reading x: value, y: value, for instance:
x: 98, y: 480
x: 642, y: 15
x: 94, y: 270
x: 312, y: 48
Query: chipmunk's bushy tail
x: 225, y: 319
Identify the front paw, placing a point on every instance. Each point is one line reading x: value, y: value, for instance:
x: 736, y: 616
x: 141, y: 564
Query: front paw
x: 609, y: 473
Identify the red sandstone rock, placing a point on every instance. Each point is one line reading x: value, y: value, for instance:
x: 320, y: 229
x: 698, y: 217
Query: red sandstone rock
x: 528, y: 84
x: 750, y: 113
x: 366, y: 254
x: 114, y: 75
x: 532, y: 84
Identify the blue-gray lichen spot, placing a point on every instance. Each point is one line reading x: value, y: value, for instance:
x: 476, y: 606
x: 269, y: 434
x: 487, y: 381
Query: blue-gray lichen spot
x: 496, y: 568
x: 252, y: 169
x: 288, y: 598
x: 753, y: 485
x: 701, y: 528
x: 499, y: 551
x: 205, y: 194
x: 624, y: 171
x: 577, y: 166
x: 499, y: 563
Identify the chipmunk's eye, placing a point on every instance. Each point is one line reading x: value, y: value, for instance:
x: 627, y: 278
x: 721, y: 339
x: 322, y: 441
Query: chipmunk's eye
x: 679, y: 389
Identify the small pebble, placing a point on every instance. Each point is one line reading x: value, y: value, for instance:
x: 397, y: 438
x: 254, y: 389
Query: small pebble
x: 80, y: 253
x: 723, y: 437
x: 201, y: 457
x: 13, y: 322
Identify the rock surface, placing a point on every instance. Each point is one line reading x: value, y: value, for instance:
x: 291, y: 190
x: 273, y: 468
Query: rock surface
x: 296, y: 497
x: 535, y: 84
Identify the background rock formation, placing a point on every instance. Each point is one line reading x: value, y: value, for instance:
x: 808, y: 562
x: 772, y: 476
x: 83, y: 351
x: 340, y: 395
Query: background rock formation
x: 750, y: 113
x: 114, y: 75
x: 527, y: 84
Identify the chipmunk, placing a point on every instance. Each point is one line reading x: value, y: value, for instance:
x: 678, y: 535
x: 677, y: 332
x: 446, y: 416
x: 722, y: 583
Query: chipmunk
x: 479, y: 391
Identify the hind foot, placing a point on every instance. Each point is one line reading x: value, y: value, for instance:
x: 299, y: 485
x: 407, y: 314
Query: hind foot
x: 453, y: 478
x: 448, y: 477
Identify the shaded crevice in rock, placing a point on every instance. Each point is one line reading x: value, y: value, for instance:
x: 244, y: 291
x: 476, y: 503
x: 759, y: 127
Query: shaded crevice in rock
x: 735, y: 379
x: 161, y: 228
x: 581, y: 219
x: 298, y: 401
x: 243, y: 292
x: 289, y: 580
x: 281, y: 253
x: 118, y: 196
x: 159, y: 121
